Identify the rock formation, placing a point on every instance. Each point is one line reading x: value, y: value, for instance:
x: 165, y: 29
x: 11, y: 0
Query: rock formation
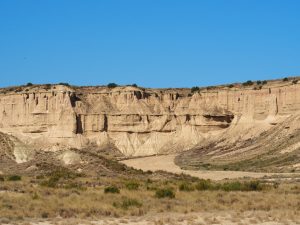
x: 141, y: 121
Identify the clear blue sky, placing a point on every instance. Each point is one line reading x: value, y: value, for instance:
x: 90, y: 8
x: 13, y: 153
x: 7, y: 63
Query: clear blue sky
x: 154, y: 43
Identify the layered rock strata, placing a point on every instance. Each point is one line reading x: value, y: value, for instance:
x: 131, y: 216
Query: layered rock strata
x: 143, y: 121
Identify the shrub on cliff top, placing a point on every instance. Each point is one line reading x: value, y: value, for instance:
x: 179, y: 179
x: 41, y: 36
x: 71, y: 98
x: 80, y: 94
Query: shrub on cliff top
x: 248, y: 83
x: 112, y: 85
x: 194, y: 89
x: 65, y: 84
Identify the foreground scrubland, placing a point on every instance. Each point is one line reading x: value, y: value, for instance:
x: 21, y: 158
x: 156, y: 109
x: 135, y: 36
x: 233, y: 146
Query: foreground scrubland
x: 154, y: 198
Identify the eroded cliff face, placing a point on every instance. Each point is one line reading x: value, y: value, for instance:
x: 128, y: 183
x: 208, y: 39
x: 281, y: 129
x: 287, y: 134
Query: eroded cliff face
x: 143, y: 121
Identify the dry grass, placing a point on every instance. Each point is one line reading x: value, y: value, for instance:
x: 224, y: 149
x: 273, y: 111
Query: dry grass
x: 29, y: 199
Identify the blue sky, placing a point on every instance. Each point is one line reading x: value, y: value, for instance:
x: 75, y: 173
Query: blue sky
x: 154, y: 43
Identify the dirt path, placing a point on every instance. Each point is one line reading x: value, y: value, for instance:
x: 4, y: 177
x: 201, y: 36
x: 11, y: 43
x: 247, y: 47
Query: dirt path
x: 166, y: 163
x: 205, y: 218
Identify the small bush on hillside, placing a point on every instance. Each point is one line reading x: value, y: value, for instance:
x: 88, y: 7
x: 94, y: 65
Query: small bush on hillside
x: 285, y: 79
x: 127, y: 203
x: 258, y: 82
x: 295, y: 81
x: 58, y: 175
x: 134, y: 85
x: 14, y: 178
x: 29, y: 84
x: 164, y: 193
x: 112, y: 85
x: 112, y: 189
x: 230, y: 85
x: 203, y: 185
x: 194, y: 89
x: 1, y: 178
x: 186, y: 187
x: 231, y: 186
x: 264, y: 82
x: 132, y: 185
x: 248, y: 83
x: 253, y: 186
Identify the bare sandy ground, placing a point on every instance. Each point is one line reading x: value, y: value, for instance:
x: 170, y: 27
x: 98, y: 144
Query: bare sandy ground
x: 202, y: 218
x: 166, y: 163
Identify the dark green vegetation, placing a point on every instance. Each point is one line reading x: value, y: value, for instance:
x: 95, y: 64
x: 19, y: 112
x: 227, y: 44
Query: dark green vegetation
x: 14, y: 178
x: 195, y: 89
x: 112, y: 189
x: 203, y: 185
x: 112, y: 85
x: 126, y: 203
x: 165, y: 193
x: 248, y: 83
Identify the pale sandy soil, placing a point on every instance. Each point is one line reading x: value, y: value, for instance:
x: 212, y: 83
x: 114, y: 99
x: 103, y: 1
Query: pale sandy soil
x: 166, y: 163
x: 205, y: 218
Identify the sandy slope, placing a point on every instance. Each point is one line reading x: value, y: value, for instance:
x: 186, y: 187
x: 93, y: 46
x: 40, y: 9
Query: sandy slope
x: 166, y: 163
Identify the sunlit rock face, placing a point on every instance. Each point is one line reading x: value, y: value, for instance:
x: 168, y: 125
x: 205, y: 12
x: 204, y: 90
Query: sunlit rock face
x: 143, y: 121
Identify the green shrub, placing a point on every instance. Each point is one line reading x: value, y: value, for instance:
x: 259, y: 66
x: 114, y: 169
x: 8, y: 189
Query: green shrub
x: 264, y: 82
x: 65, y: 84
x: 134, y: 85
x: 164, y: 193
x: 295, y: 81
x: 127, y: 203
x: 245, y: 186
x: 231, y: 186
x: 285, y: 79
x: 253, y: 186
x: 51, y: 182
x: 203, y: 185
x: 132, y: 185
x: 14, y: 178
x: 112, y: 85
x: 258, y: 82
x: 29, y: 84
x: 58, y: 175
x: 230, y: 85
x: 195, y: 89
x: 1, y: 178
x: 112, y: 189
x: 186, y: 187
x: 248, y: 83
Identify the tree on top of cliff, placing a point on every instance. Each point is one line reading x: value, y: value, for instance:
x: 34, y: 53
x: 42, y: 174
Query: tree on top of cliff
x: 65, y: 84
x: 194, y: 89
x: 112, y: 85
x: 248, y: 83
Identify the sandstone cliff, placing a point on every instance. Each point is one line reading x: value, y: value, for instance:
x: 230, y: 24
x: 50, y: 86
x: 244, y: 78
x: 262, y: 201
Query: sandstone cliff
x: 141, y: 121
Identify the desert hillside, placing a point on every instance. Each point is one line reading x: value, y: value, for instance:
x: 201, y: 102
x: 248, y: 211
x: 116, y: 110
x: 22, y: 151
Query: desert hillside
x: 100, y: 155
x: 214, y: 127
